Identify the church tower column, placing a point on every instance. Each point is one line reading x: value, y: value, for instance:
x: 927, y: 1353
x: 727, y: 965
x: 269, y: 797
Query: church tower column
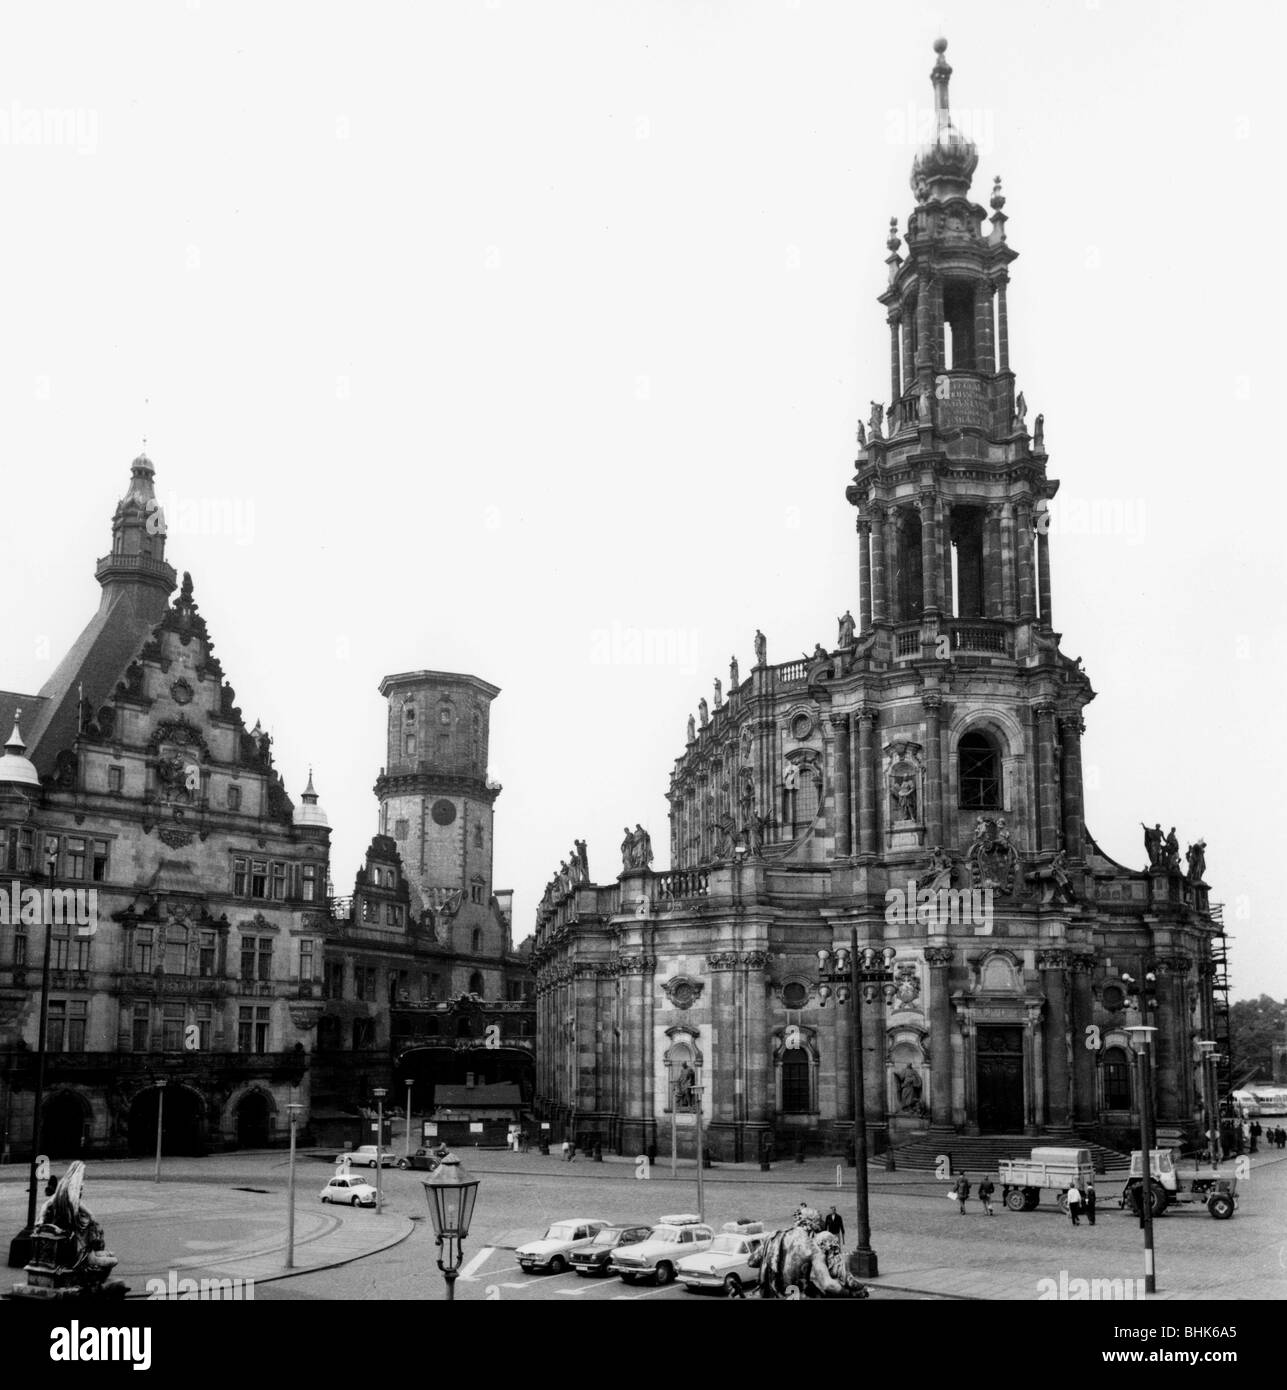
x: 1172, y: 1061
x: 939, y: 961
x: 893, y: 564
x: 840, y: 783
x: 984, y: 351
x: 992, y: 562
x: 759, y: 1072
x: 1003, y: 327
x: 947, y: 600
x: 1054, y: 973
x: 909, y: 355
x: 1043, y: 574
x: 933, y: 768
x: 864, y: 574
x: 1071, y: 728
x: 1083, y: 1014
x: 895, y: 369
x: 1047, y: 796
x: 879, y: 573
x: 929, y: 554
x: 866, y: 718
x: 1027, y: 576
x: 1009, y: 593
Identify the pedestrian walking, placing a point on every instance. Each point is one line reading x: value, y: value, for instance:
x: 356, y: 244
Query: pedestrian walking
x: 986, y: 1189
x: 1089, y: 1202
x: 835, y: 1223
x: 962, y: 1191
x: 566, y: 1150
x: 1073, y: 1198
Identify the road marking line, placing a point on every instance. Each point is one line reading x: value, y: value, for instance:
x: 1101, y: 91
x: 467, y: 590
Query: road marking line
x: 481, y: 1258
x: 572, y: 1293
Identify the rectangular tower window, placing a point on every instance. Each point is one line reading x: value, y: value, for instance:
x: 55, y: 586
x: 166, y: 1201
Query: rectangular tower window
x: 115, y: 779
x: 141, y: 1027
x: 239, y: 878
x: 234, y: 798
x: 258, y: 878
x: 143, y: 950
x: 208, y: 954
x: 172, y: 1021
x: 308, y: 883
x: 102, y: 850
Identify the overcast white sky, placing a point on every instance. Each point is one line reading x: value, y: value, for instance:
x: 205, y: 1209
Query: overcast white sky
x: 504, y: 330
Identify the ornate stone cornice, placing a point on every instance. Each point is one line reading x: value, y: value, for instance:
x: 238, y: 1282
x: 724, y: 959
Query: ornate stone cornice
x: 1054, y: 960
x: 756, y: 960
x: 722, y: 960
x: 636, y: 965
x: 1083, y: 965
x: 1072, y: 724
x: 1172, y: 965
x: 939, y: 957
x: 1044, y: 710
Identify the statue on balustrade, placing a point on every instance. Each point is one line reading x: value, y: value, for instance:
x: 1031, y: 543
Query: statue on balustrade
x: 719, y: 693
x: 692, y: 729
x: 1172, y: 852
x: 1153, y: 844
x: 732, y: 674
x: 761, y: 648
x: 847, y: 630
x: 703, y: 712
x: 1197, y: 857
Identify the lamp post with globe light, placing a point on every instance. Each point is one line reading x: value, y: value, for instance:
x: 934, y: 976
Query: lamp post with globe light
x: 451, y: 1193
x: 293, y: 1109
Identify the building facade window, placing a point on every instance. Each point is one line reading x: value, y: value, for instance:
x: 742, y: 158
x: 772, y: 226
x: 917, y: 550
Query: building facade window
x: 1117, y: 1081
x: 795, y: 1082
x: 979, y: 765
x: 252, y: 1028
x: 115, y: 780
x: 143, y: 950
x: 308, y: 883
x: 239, y: 878
x: 258, y: 878
x: 476, y: 983
x: 74, y: 861
x: 66, y: 1025
x: 334, y: 978
x: 176, y: 949
x: 205, y: 1026
x: 208, y: 957
x: 141, y: 1027
x: 256, y: 958
x: 279, y: 882
x: 102, y: 854
x: 172, y: 1022
x: 234, y: 798
x: 306, y: 948
x: 20, y: 944
x: 363, y: 1033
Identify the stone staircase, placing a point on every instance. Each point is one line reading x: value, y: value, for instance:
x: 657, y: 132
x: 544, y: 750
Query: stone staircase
x: 981, y: 1153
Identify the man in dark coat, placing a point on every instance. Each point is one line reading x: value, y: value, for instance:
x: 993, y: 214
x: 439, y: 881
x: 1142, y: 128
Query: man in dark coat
x: 834, y: 1223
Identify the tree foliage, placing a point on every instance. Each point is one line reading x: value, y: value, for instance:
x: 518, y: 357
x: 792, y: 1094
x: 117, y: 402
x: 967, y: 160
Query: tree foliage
x: 1256, y: 1026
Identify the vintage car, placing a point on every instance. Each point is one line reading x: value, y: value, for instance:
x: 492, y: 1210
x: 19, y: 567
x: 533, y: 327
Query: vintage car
x: 597, y: 1256
x: 352, y: 1192
x: 726, y: 1263
x: 424, y: 1159
x: 668, y: 1242
x: 555, y: 1247
x: 365, y: 1157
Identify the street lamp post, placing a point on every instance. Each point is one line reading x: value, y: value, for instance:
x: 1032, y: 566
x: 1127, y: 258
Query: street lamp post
x: 1141, y: 1035
x: 292, y: 1110
x: 451, y: 1194
x: 379, y: 1093
x: 406, y: 1149
x: 20, y: 1246
x: 696, y: 1093
x: 857, y: 976
x: 1206, y: 1050
x: 160, y: 1113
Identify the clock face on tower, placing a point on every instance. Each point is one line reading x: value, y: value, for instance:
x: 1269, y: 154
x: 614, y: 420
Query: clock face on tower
x: 443, y: 812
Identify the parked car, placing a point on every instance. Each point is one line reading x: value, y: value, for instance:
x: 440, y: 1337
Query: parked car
x: 726, y: 1263
x: 422, y: 1158
x: 555, y: 1247
x: 350, y: 1192
x: 365, y: 1157
x: 668, y: 1242
x: 597, y: 1256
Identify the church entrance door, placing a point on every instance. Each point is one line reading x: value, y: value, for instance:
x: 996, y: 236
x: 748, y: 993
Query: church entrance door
x: 1000, y: 1080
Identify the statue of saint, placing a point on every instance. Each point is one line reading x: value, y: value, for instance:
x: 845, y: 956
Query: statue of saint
x: 628, y: 846
x: 905, y: 796
x: 719, y: 693
x: 732, y: 674
x: 877, y: 419
x: 1039, y: 433
x: 692, y: 729
x: 1172, y: 852
x: 847, y: 629
x: 1197, y: 857
x: 862, y: 435
x: 703, y: 712
x: 643, y: 847
x: 910, y: 1087
x: 1153, y: 844
x: 761, y: 648
x: 1020, y: 409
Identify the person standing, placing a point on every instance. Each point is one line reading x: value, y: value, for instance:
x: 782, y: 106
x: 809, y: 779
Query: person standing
x: 1073, y: 1198
x: 962, y: 1191
x: 1089, y: 1201
x: 986, y: 1189
x: 835, y: 1223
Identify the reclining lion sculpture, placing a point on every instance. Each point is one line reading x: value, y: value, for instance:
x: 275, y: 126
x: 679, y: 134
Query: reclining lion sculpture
x: 804, y: 1261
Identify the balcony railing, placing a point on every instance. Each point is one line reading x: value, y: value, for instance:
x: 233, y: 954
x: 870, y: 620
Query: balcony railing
x: 791, y: 671
x: 980, y: 637
x: 680, y: 884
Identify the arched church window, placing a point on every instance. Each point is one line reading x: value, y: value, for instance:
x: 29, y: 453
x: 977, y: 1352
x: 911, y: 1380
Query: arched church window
x: 980, y: 773
x: 476, y: 983
x: 795, y: 1082
x: 476, y: 940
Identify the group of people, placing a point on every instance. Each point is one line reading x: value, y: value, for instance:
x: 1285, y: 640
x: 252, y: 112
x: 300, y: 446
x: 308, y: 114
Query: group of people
x: 961, y: 1191
x: 1275, y: 1137
x: 833, y: 1223
x: 1079, y: 1200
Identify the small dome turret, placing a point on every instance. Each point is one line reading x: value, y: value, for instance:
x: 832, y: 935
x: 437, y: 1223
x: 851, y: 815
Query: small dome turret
x: 944, y: 166
x: 308, y: 812
x: 15, y: 766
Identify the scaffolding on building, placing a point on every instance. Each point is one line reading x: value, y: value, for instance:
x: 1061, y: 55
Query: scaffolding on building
x: 1220, y: 1006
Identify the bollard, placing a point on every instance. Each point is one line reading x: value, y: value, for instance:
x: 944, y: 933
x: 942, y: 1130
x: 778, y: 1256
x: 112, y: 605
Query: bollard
x: 839, y: 1175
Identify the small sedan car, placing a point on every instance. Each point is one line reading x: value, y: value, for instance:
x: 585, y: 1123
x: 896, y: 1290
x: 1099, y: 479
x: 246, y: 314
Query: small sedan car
x: 556, y: 1246
x: 422, y: 1158
x: 597, y: 1256
x: 726, y: 1263
x: 668, y: 1242
x: 351, y: 1192
x: 365, y: 1157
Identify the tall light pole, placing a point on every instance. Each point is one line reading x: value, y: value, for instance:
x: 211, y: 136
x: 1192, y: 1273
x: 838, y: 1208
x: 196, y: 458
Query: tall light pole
x: 406, y: 1150
x: 379, y: 1093
x: 292, y: 1110
x: 1141, y: 1035
x: 1206, y: 1050
x: 696, y: 1093
x: 160, y: 1113
x: 858, y: 976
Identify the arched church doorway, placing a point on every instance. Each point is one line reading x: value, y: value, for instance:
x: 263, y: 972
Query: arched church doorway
x: 182, y: 1131
x: 1000, y: 1079
x: 254, y: 1121
x: 63, y: 1126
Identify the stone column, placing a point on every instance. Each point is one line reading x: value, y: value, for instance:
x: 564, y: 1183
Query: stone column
x: 969, y: 1066
x: 1071, y: 729
x: 866, y: 717
x: 722, y: 1052
x: 992, y: 562
x: 947, y: 600
x: 933, y: 768
x: 840, y: 783
x: 893, y: 559
x: 1083, y: 1014
x: 895, y: 373
x: 1027, y: 562
x: 909, y: 355
x: 759, y: 1069
x: 1171, y: 1040
x: 1043, y: 578
x: 873, y: 1059
x: 1054, y: 971
x: 1003, y: 329
x: 929, y: 554
x: 879, y: 572
x: 925, y: 360
x: 1047, y: 796
x: 864, y: 574
x: 1009, y: 594
x: 984, y: 351
x: 1034, y: 1089
x: 939, y: 961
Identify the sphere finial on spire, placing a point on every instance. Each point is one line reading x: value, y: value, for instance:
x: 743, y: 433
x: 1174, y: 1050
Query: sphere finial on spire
x: 945, y: 164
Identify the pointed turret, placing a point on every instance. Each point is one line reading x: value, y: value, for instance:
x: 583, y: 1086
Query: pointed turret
x: 15, y: 767
x: 138, y: 537
x: 308, y: 812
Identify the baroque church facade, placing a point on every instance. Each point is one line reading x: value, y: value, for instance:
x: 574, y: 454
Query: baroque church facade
x: 919, y: 783
x: 215, y: 965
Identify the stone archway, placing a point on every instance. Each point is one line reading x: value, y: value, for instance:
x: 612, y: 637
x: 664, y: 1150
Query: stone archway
x: 254, y: 1119
x: 65, y: 1125
x: 182, y: 1121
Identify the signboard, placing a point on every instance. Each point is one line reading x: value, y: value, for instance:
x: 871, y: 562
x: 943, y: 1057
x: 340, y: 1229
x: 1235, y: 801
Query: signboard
x: 545, y: 1124
x: 430, y: 1129
x: 475, y: 1126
